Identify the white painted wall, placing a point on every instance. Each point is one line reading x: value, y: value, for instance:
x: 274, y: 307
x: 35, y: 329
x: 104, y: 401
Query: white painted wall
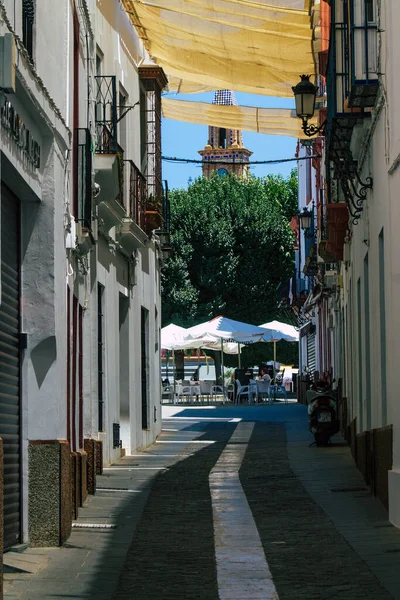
x: 121, y: 51
x: 46, y: 107
x: 381, y: 212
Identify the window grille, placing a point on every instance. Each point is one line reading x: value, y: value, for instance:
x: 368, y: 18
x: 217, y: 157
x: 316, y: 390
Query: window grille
x: 83, y: 183
x: 106, y: 115
x: 28, y: 20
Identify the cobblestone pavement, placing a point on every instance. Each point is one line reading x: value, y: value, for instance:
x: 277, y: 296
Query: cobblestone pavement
x: 172, y: 552
x: 307, y: 556
x: 318, y: 544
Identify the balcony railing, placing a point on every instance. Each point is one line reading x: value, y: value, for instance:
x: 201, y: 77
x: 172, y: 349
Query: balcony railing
x: 352, y: 63
x: 352, y: 87
x: 166, y: 211
x: 106, y: 114
x: 83, y: 180
x: 137, y: 194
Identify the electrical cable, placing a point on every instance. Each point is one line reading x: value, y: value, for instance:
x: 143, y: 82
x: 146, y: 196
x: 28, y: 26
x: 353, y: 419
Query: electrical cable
x: 173, y: 159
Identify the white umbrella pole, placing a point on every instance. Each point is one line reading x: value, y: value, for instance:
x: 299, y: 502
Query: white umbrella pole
x: 274, y: 358
x: 222, y: 361
x: 174, y: 371
x: 239, y: 358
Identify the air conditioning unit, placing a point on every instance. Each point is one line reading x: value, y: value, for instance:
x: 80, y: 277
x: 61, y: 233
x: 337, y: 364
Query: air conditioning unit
x: 331, y: 279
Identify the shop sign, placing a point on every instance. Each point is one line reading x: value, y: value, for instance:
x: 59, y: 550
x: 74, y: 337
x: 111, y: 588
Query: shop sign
x: 17, y: 130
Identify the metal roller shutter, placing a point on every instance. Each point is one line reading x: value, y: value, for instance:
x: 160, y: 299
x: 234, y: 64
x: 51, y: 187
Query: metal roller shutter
x: 10, y: 364
x: 311, y: 363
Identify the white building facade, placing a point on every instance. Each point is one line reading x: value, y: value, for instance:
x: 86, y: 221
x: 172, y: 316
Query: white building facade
x: 356, y: 284
x: 81, y: 199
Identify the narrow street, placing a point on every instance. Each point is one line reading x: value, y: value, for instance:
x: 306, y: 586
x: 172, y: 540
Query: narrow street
x: 230, y: 502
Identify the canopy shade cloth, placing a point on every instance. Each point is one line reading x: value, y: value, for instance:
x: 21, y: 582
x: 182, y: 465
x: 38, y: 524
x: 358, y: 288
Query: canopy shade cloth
x: 245, y: 45
x: 276, y: 121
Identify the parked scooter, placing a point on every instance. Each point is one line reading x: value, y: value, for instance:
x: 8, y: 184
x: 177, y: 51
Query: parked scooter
x: 322, y: 411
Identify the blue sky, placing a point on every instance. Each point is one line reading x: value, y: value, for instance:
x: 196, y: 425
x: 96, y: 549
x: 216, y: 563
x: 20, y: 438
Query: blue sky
x: 183, y: 140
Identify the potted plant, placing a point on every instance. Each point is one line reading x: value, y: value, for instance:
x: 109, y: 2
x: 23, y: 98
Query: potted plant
x: 153, y: 213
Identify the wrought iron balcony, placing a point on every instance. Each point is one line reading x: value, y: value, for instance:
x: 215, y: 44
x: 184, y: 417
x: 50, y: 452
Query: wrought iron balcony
x: 352, y: 87
x: 106, y: 115
x: 132, y: 233
x: 164, y: 231
x: 136, y: 204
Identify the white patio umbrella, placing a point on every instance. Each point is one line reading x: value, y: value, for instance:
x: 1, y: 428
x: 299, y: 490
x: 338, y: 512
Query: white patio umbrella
x: 277, y: 331
x: 171, y: 336
x: 227, y: 330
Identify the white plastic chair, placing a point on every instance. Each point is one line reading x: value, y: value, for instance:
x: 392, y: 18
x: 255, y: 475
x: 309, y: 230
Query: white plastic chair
x: 264, y: 389
x: 206, y: 389
x: 168, y: 392
x: 218, y: 390
x: 244, y: 390
x: 182, y: 391
x: 230, y: 389
x: 196, y: 391
x: 279, y: 387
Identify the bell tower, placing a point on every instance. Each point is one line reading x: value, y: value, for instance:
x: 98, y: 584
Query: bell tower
x: 224, y: 151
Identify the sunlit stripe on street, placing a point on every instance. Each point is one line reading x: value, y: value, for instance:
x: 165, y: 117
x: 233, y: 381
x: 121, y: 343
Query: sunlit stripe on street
x: 242, y: 570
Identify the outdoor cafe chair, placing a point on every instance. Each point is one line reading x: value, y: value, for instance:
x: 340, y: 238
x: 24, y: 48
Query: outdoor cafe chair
x: 182, y: 391
x: 218, y: 390
x: 244, y: 390
x: 167, y: 392
x: 264, y: 389
x: 278, y: 386
x: 230, y: 390
x: 206, y: 389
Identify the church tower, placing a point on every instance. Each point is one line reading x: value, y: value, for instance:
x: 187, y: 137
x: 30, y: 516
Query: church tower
x: 225, y: 145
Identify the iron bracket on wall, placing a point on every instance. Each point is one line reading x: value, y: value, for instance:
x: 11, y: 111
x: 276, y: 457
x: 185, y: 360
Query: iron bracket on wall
x: 353, y: 187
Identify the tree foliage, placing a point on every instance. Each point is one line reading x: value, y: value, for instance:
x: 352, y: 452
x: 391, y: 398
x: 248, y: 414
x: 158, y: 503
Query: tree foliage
x: 232, y: 247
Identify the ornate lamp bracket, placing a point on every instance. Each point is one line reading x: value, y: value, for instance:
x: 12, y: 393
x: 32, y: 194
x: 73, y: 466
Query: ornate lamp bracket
x: 353, y: 187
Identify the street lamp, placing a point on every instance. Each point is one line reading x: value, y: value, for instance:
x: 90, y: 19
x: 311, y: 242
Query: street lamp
x: 305, y: 94
x: 306, y: 219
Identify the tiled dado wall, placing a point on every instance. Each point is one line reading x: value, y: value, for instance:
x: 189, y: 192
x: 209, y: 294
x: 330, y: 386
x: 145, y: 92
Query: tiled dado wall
x: 1, y: 519
x: 373, y: 453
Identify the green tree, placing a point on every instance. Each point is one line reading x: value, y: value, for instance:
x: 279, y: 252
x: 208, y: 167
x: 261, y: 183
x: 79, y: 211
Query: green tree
x: 232, y: 247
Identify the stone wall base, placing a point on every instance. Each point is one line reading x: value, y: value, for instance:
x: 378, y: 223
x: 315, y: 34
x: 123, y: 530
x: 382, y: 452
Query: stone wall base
x: 99, y: 457
x: 49, y: 498
x: 90, y: 449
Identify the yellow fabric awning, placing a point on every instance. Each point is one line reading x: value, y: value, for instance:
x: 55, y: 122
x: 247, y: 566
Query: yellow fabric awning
x: 244, y: 45
x: 275, y: 121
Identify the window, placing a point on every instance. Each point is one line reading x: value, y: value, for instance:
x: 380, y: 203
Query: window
x: 370, y: 11
x: 222, y: 138
x: 28, y: 20
x: 152, y: 82
x: 122, y: 119
x: 99, y: 62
